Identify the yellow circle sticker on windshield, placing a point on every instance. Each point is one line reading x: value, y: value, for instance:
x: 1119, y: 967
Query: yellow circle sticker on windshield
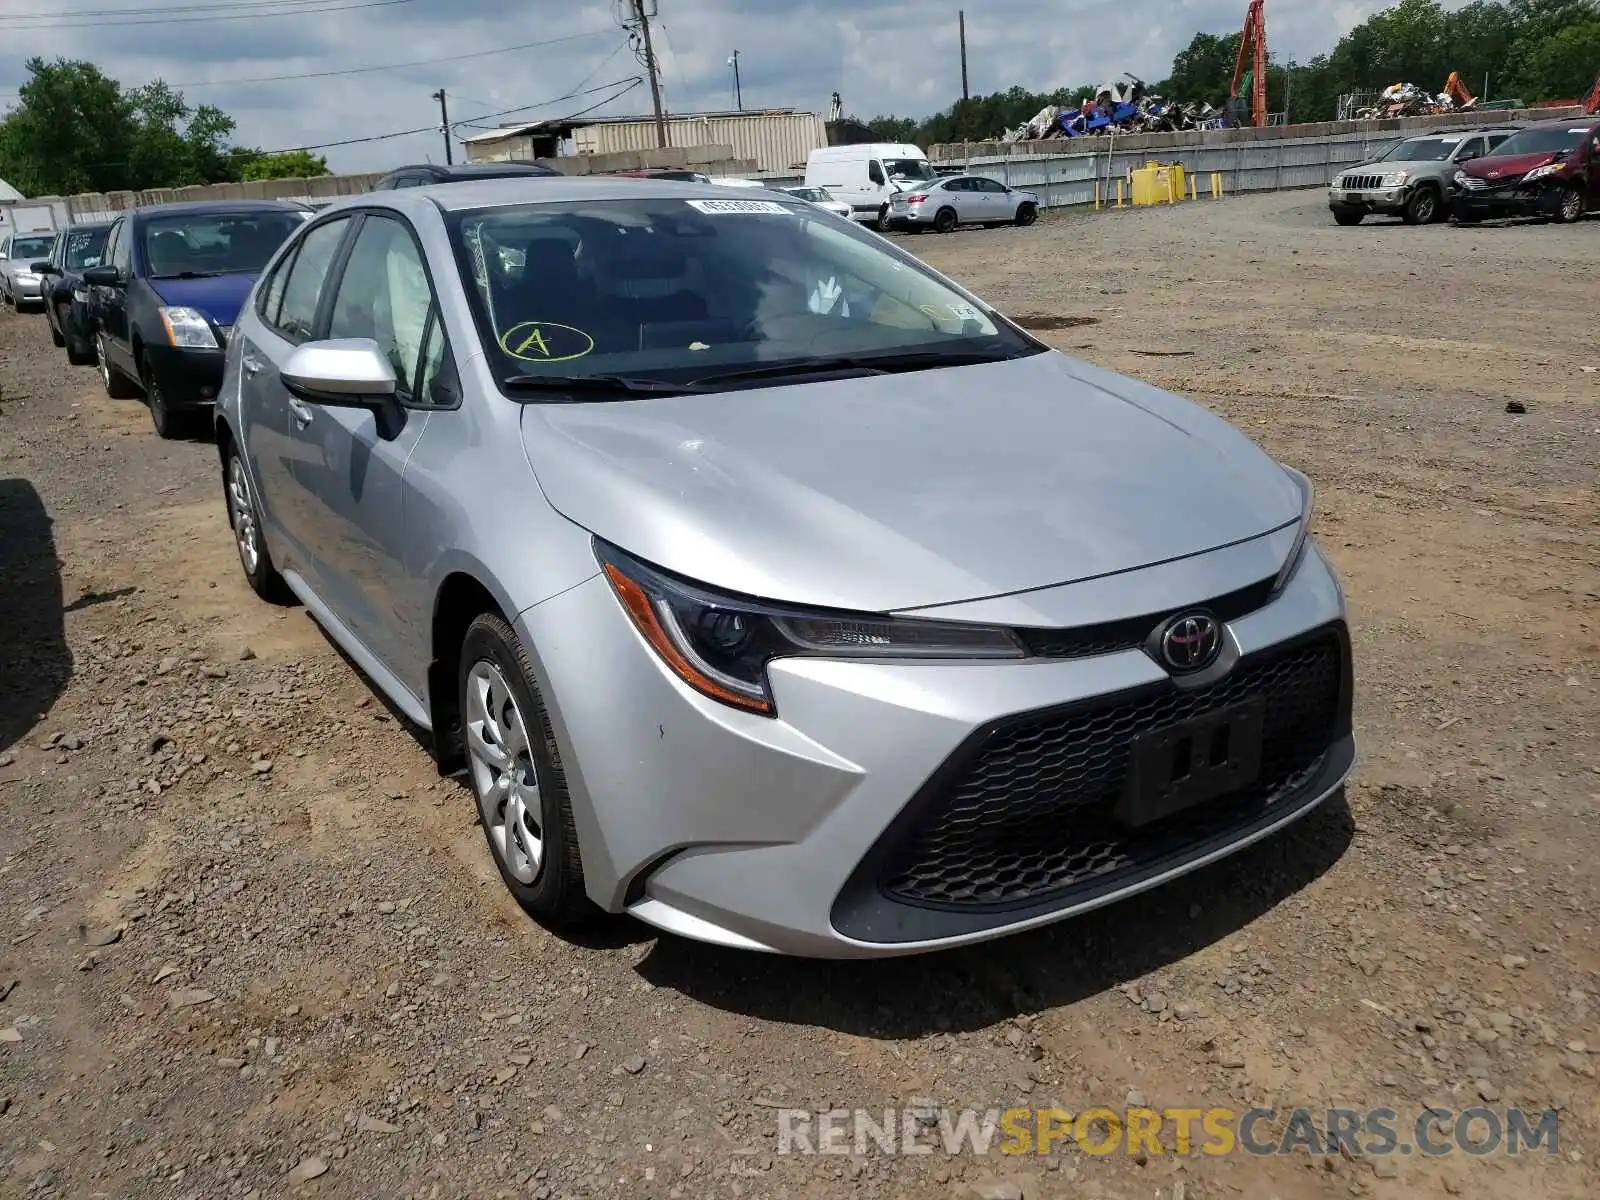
x: 545, y: 342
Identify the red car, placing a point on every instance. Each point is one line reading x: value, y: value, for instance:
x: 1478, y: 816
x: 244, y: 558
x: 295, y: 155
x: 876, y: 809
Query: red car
x: 1551, y: 169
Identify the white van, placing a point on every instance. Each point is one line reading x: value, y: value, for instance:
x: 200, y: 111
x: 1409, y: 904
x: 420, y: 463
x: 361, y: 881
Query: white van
x: 866, y: 176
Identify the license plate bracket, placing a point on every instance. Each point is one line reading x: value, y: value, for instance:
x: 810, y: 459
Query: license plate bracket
x: 1182, y: 765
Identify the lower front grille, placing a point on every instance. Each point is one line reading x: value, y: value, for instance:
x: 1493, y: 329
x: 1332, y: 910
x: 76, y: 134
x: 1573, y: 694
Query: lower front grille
x: 1026, y: 813
x: 1361, y: 183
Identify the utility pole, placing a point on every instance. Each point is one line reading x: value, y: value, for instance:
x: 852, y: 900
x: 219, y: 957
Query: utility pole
x: 966, y: 92
x: 652, y: 70
x: 738, y: 92
x: 444, y: 125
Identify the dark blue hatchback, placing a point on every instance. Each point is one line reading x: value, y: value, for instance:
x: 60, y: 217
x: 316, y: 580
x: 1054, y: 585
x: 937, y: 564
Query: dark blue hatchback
x: 163, y: 302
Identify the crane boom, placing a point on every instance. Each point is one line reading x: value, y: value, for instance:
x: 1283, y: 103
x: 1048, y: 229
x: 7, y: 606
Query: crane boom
x: 1251, y: 65
x: 1591, y: 102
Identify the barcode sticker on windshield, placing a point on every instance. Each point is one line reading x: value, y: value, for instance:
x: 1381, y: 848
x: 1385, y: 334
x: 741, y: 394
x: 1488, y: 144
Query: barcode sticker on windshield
x: 727, y: 207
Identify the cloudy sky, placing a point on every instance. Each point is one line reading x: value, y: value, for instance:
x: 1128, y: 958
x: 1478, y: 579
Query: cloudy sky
x: 882, y: 55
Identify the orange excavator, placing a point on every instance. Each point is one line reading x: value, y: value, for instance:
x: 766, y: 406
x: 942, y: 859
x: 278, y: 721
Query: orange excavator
x: 1250, y: 69
x: 1457, y: 91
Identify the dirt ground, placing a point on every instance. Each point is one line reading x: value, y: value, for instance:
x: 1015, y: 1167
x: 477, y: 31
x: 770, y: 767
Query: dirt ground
x: 252, y: 945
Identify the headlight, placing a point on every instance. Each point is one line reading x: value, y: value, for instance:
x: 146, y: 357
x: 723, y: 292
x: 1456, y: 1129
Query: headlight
x: 721, y: 645
x: 1396, y: 178
x: 26, y: 276
x: 1292, y: 561
x: 1461, y: 178
x: 188, y: 328
x: 1542, y: 172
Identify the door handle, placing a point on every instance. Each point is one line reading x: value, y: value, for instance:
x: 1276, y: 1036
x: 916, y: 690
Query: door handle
x: 301, y: 413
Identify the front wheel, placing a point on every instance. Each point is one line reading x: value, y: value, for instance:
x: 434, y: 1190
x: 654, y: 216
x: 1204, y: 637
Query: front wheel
x: 517, y: 777
x: 244, y: 517
x: 1422, y: 207
x: 1027, y: 214
x: 1571, y: 206
x: 1341, y: 217
x: 116, y: 384
x: 170, y: 423
x: 882, y: 223
x: 56, y: 326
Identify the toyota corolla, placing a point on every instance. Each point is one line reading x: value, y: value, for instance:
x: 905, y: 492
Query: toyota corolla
x: 764, y: 583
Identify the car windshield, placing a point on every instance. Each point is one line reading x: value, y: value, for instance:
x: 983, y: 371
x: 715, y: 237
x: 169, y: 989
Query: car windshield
x: 1542, y: 141
x: 682, y: 290
x: 33, y: 247
x: 909, y: 168
x: 1422, y: 150
x: 84, y: 247
x: 815, y: 195
x: 221, y: 243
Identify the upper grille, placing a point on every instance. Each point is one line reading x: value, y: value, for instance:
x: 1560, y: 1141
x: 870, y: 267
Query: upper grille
x: 1110, y: 637
x: 1028, y: 813
x: 1359, y: 183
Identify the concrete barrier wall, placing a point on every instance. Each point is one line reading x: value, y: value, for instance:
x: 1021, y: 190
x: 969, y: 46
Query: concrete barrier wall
x: 1065, y: 172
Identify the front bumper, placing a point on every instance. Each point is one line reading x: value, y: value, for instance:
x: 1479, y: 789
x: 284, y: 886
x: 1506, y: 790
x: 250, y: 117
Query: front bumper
x: 1378, y: 200
x: 836, y: 830
x: 1539, y: 199
x: 189, y: 378
x: 27, y: 289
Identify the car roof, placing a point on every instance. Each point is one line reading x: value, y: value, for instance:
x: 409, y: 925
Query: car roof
x: 87, y: 225
x: 491, y: 193
x: 203, y: 208
x: 1580, y: 120
x: 479, y: 170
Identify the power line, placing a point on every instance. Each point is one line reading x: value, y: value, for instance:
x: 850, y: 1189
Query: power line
x: 577, y: 90
x: 136, y: 11
x: 277, y: 10
x: 631, y: 83
x: 399, y: 66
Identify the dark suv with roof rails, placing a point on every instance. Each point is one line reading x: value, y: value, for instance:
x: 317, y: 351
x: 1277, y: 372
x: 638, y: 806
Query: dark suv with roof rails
x: 426, y: 174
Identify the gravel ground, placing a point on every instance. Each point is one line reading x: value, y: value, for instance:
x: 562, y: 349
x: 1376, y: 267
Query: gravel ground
x: 252, y: 945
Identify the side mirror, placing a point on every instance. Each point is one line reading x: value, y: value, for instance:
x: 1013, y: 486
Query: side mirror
x: 43, y: 268
x: 341, y: 373
x: 103, y: 277
x: 1466, y: 156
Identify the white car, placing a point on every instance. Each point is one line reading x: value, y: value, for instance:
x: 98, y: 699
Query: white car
x: 962, y: 200
x: 821, y: 198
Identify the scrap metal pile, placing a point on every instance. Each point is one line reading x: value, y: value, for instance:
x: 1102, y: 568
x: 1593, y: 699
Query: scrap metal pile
x: 1409, y: 100
x: 1118, y: 108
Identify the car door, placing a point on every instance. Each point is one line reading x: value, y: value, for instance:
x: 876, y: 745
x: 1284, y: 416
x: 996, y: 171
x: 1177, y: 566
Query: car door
x: 111, y: 301
x: 355, y: 524
x: 996, y: 200
x: 1594, y: 167
x: 287, y: 313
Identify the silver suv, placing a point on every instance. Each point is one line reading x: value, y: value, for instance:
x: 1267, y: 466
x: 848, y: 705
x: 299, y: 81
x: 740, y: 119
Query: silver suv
x: 1413, y: 181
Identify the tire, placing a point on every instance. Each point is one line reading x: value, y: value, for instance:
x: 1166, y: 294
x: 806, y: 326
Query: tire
x: 56, y: 327
x: 882, y: 223
x: 508, y: 737
x: 1467, y: 218
x: 1422, y: 208
x: 170, y: 423
x: 80, y: 352
x: 117, y: 386
x: 244, y: 518
x: 945, y: 221
x: 1027, y: 214
x: 1571, y: 206
x: 1347, y: 218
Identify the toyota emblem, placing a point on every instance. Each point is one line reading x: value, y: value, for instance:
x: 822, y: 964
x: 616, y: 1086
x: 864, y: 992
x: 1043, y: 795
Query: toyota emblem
x: 1191, y: 642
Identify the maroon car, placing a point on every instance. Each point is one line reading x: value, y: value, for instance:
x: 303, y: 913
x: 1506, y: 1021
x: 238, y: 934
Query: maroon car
x: 1551, y: 169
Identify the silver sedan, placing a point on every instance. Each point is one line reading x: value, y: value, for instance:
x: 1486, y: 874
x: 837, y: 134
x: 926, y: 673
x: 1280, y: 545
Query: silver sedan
x: 19, y: 283
x: 762, y: 582
x: 943, y: 204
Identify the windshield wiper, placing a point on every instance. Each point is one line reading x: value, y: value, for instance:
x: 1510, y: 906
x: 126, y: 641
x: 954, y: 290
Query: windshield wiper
x: 871, y: 364
x: 596, y: 383
x: 191, y: 275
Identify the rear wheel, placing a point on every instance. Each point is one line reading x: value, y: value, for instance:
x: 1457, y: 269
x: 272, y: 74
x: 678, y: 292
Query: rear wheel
x: 1422, y: 208
x: 116, y: 384
x: 1571, y: 206
x: 945, y: 220
x: 517, y: 777
x: 1027, y: 214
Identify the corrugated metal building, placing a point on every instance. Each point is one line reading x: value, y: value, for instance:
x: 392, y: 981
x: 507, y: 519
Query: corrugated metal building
x: 776, y: 140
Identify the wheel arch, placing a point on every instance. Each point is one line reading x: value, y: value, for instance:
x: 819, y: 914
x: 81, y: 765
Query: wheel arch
x: 460, y: 598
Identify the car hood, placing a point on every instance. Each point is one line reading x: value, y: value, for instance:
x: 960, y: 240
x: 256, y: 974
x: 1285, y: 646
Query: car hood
x: 220, y: 297
x: 903, y: 491
x: 1513, y: 166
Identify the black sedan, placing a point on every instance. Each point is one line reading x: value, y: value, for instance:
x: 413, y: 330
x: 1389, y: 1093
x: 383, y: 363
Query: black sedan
x: 165, y: 299
x: 66, y: 295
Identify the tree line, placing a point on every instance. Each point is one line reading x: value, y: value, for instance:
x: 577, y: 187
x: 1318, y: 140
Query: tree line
x: 75, y: 129
x: 1527, y: 49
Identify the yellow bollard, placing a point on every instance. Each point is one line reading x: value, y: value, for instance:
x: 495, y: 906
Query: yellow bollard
x: 1216, y: 185
x: 1194, y: 187
x: 1119, y: 203
x: 1097, y: 195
